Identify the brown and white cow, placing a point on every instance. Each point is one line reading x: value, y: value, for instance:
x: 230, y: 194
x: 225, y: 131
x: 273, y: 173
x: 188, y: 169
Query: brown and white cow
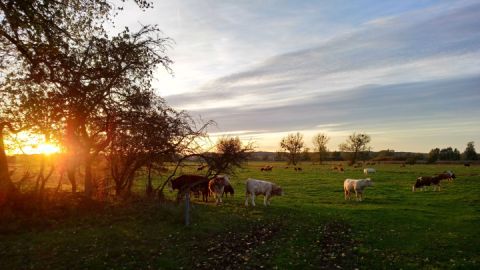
x: 260, y: 187
x: 217, y: 185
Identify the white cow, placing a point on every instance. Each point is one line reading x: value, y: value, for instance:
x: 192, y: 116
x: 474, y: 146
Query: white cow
x: 260, y: 187
x: 366, y: 171
x: 357, y: 186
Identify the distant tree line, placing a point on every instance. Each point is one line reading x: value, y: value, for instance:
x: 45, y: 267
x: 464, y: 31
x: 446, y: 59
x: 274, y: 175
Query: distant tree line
x: 356, y: 148
x: 469, y: 154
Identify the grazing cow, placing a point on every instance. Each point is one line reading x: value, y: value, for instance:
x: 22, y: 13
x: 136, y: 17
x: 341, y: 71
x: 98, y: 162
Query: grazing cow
x: 338, y: 168
x: 422, y: 182
x: 426, y: 181
x: 366, y: 171
x: 357, y: 186
x: 466, y: 164
x: 259, y: 187
x: 266, y: 168
x: 196, y: 183
x: 298, y: 169
x: 228, y: 189
x: 451, y: 175
x: 217, y: 185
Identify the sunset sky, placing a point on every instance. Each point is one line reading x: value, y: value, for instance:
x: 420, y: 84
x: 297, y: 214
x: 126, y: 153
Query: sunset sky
x: 405, y: 72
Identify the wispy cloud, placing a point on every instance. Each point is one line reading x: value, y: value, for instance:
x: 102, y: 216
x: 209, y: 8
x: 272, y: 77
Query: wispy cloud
x: 404, y: 70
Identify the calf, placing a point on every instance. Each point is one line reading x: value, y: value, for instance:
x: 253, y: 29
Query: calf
x: 260, y: 187
x: 356, y: 185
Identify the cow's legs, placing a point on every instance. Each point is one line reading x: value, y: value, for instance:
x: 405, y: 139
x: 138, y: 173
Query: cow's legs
x: 265, y: 200
x: 253, y: 199
x: 246, y: 199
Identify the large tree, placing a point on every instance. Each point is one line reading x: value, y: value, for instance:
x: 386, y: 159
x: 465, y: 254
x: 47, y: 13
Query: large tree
x: 85, y: 73
x: 293, y: 143
x: 355, y: 144
x: 149, y: 134
x: 320, y: 143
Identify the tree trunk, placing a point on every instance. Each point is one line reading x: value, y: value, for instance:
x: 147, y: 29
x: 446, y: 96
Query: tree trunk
x: 149, y: 188
x: 72, y: 152
x: 71, y: 177
x: 88, y: 177
x: 354, y: 157
x: 6, y: 185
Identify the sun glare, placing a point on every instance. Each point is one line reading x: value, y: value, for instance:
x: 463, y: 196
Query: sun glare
x: 47, y: 149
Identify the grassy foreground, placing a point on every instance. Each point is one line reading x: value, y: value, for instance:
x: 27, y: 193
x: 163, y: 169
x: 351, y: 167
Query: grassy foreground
x: 311, y: 227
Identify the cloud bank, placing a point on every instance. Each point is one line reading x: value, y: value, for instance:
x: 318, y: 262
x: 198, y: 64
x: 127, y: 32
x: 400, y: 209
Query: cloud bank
x: 417, y: 71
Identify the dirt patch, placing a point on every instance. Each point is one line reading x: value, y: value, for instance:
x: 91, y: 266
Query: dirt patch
x: 237, y: 250
x: 262, y: 246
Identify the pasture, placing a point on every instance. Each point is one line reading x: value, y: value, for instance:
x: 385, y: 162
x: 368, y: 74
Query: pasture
x: 310, y: 227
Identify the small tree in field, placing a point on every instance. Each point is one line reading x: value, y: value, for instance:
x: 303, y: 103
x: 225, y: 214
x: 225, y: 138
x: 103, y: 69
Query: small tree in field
x: 231, y: 154
x: 355, y: 144
x: 293, y: 144
x: 470, y: 153
x: 320, y: 142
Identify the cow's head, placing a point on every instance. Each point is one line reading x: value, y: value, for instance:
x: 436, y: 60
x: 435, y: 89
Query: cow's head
x: 276, y: 190
x: 369, y: 182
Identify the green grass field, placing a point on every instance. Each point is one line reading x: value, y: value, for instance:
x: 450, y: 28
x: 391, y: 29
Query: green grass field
x: 310, y: 227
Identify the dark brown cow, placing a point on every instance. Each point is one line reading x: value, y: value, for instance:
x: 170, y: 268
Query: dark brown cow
x: 196, y: 183
x: 228, y: 189
x: 425, y: 181
x: 422, y: 182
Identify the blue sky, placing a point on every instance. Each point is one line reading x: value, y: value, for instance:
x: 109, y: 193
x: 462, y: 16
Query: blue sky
x: 405, y: 72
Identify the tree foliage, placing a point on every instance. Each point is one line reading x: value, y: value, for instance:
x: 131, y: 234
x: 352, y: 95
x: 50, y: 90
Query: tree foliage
x: 433, y: 155
x: 230, y: 154
x: 64, y: 75
x: 355, y: 144
x: 320, y: 143
x: 470, y: 153
x: 293, y: 143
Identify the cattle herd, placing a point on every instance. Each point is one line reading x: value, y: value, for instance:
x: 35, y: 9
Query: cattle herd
x: 220, y: 185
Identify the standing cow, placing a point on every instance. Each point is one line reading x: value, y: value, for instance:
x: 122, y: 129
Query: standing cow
x: 195, y: 183
x: 357, y: 186
x: 217, y: 185
x: 367, y: 171
x: 260, y: 187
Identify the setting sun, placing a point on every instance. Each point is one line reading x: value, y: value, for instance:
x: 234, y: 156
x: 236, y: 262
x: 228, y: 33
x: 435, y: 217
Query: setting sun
x: 47, y: 149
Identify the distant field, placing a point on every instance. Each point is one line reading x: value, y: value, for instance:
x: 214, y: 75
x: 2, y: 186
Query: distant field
x: 311, y: 227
